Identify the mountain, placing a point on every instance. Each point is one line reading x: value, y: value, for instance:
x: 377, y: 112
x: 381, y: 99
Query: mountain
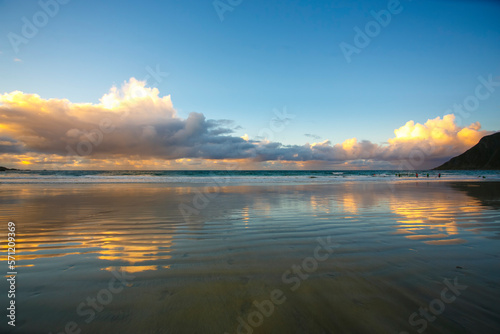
x: 3, y: 169
x: 484, y: 155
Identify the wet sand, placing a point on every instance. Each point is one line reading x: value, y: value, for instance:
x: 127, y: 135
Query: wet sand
x: 343, y: 258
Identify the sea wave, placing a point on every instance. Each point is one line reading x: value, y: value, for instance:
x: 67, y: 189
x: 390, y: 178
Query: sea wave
x: 246, y: 177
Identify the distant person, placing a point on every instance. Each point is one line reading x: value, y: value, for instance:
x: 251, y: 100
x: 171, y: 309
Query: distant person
x: 427, y: 174
x: 416, y: 174
x: 439, y: 175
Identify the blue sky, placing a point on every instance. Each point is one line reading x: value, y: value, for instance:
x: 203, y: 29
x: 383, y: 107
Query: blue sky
x: 266, y: 55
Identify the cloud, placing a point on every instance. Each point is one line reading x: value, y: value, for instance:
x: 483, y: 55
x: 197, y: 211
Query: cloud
x: 132, y: 120
x: 9, y: 145
x: 134, y: 124
x: 437, y: 138
x: 313, y: 136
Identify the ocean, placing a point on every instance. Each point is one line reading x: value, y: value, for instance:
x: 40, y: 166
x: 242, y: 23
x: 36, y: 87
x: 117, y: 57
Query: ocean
x: 238, y: 176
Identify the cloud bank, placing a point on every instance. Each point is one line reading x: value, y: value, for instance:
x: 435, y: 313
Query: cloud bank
x: 134, y: 124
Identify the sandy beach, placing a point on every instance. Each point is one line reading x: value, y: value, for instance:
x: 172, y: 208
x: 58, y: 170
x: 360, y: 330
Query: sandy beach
x: 353, y: 257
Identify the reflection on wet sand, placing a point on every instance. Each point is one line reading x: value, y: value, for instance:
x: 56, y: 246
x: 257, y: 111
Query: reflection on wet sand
x: 433, y: 220
x: 199, y: 272
x: 58, y: 219
x: 61, y: 221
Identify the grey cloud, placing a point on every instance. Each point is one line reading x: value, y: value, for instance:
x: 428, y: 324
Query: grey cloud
x: 313, y: 136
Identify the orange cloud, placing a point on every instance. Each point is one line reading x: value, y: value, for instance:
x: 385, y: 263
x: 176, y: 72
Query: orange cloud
x: 435, y: 140
x: 439, y: 131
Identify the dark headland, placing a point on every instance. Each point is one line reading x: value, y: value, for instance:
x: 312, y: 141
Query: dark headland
x: 3, y: 169
x: 483, y: 156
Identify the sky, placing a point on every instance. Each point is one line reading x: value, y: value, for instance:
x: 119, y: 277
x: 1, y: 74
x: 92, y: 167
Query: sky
x: 254, y: 84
